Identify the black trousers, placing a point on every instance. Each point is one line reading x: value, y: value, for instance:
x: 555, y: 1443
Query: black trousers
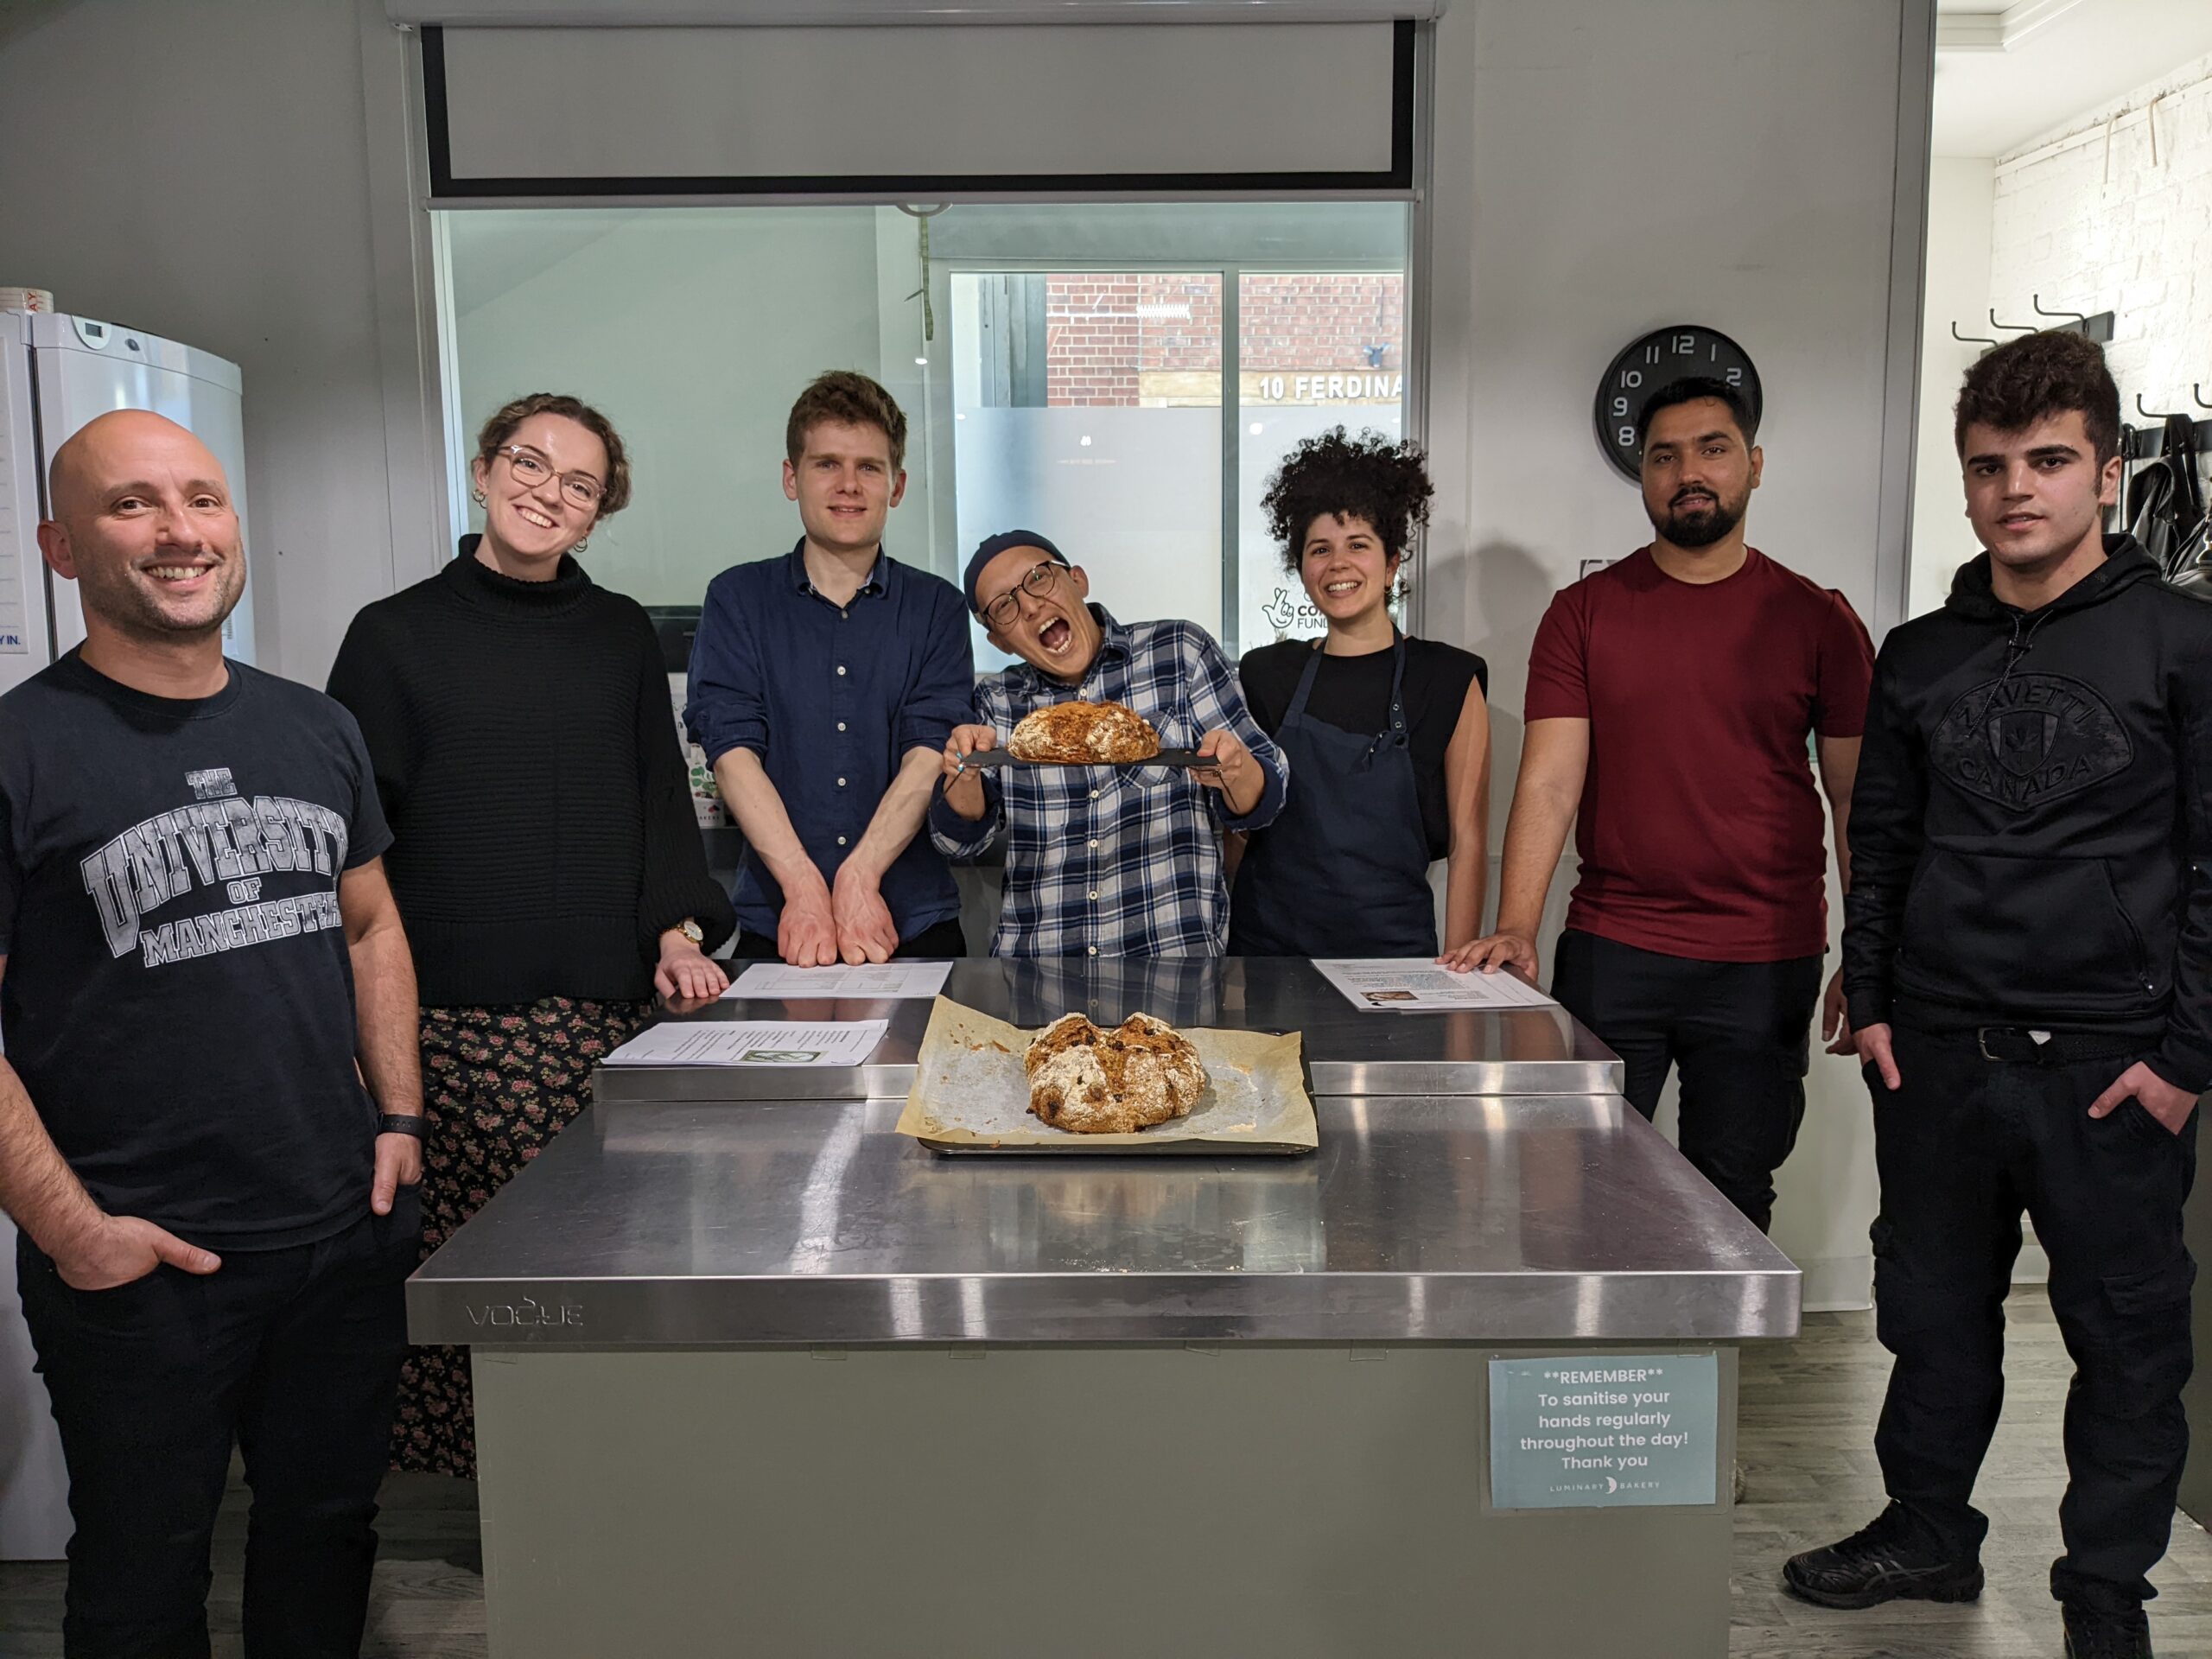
x: 1963, y: 1147
x: 941, y: 939
x: 293, y: 1354
x: 1741, y: 1031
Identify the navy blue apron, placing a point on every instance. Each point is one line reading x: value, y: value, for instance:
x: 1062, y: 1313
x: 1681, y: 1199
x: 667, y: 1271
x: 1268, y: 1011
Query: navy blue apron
x: 1342, y: 871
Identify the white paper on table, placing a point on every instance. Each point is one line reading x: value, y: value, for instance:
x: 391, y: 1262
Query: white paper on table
x: 751, y: 1042
x: 1382, y: 985
x: 887, y: 979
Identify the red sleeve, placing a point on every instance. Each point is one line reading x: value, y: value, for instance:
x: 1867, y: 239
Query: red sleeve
x: 1558, y: 679
x: 1847, y: 672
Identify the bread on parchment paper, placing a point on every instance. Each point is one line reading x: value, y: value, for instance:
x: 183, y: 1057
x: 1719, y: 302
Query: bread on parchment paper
x: 1093, y: 1081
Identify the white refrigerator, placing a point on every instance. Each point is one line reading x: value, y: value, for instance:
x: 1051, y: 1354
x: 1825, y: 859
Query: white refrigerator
x: 56, y: 373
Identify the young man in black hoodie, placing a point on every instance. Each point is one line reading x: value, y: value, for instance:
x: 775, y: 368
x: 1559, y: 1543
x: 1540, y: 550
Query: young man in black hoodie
x: 2028, y: 955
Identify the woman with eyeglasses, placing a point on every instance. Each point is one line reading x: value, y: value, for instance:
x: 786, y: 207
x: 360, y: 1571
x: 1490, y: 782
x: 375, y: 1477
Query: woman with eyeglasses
x: 1389, y: 737
x: 546, y: 855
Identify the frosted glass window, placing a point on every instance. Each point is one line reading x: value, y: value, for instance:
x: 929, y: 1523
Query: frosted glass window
x: 1010, y: 334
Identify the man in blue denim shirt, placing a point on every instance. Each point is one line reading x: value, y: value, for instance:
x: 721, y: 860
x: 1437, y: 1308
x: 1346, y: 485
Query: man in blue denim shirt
x: 1103, y: 861
x: 824, y: 686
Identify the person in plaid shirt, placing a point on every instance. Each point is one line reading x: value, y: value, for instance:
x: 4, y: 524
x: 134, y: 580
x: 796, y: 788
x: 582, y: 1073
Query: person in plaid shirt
x: 1103, y: 861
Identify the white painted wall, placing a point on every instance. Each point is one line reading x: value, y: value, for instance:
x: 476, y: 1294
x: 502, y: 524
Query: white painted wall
x: 1576, y: 208
x: 1961, y: 191
x: 200, y: 172
x: 2127, y: 231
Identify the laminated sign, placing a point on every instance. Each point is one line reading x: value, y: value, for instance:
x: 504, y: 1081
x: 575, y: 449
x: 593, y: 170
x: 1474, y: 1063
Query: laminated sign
x: 1604, y: 1431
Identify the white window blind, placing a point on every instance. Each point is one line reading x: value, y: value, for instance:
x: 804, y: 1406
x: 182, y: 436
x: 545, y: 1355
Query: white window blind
x: 639, y: 14
x: 554, y: 111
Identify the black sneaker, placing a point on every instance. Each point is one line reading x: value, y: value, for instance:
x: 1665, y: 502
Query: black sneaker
x: 2092, y: 1633
x: 1890, y: 1558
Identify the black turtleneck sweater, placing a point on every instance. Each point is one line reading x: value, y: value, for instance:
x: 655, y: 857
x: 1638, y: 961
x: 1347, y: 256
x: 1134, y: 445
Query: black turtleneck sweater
x: 525, y: 753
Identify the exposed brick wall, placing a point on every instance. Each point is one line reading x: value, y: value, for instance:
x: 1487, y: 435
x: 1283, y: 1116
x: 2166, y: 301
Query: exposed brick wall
x: 2130, y: 235
x: 1104, y: 332
x: 1093, y: 340
x: 1323, y: 322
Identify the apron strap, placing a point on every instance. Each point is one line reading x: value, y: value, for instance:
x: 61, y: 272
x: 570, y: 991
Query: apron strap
x: 1305, y: 684
x: 1395, y: 732
x: 1398, y: 686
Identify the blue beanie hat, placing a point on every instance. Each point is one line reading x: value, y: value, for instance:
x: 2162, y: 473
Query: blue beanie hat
x: 995, y: 545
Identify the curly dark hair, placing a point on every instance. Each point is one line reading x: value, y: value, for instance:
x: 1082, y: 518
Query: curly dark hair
x: 1337, y: 475
x: 2035, y: 377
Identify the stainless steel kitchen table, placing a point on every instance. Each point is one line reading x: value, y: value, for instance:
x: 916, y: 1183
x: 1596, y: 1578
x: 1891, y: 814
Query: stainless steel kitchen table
x: 766, y: 1376
x: 1515, y: 1052
x: 1542, y: 1218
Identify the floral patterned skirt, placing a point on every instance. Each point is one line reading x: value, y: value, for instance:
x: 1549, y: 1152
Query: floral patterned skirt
x: 498, y: 1084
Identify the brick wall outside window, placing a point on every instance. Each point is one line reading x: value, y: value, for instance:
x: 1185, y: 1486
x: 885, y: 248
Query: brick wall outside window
x: 1107, y: 333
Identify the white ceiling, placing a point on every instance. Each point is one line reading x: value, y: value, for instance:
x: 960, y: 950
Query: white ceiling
x: 2066, y: 58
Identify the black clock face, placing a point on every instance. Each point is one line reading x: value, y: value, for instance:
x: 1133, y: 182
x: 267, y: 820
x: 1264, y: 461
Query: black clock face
x: 1659, y: 359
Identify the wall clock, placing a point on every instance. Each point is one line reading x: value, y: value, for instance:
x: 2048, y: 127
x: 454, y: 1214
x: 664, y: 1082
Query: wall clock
x: 1660, y: 357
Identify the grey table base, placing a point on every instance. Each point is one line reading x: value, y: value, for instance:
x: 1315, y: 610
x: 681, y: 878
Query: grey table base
x: 1290, y: 1502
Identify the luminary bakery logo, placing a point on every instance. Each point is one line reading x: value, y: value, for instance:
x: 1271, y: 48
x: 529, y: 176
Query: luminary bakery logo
x: 2029, y: 739
x: 221, y: 838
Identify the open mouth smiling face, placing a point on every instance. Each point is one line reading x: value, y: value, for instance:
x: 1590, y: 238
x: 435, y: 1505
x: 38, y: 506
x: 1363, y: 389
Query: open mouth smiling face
x: 1036, y: 608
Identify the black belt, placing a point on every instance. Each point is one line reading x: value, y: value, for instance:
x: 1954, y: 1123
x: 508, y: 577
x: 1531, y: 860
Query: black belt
x: 2023, y: 1044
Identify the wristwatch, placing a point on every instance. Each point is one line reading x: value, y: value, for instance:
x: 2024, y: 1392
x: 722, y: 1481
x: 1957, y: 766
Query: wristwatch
x: 401, y: 1123
x: 691, y: 930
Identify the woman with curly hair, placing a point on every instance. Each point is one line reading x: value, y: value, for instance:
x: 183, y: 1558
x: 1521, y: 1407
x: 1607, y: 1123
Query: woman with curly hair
x: 1388, y: 738
x: 545, y: 854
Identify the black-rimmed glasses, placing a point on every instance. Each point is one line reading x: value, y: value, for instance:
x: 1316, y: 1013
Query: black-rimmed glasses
x: 533, y: 469
x: 1036, y: 581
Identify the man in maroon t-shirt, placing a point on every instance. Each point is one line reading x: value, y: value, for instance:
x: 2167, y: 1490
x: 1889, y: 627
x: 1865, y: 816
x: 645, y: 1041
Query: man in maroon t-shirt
x: 1670, y: 696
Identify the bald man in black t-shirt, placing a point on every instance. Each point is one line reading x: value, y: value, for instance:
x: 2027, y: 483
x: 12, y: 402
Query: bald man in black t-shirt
x: 197, y: 951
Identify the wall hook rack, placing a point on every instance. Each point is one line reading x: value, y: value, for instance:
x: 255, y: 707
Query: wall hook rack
x: 2098, y: 327
x: 2149, y: 442
x: 2197, y: 391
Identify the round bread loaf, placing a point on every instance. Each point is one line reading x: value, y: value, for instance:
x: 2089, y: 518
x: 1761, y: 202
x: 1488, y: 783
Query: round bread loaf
x: 1093, y: 1081
x: 1085, y: 735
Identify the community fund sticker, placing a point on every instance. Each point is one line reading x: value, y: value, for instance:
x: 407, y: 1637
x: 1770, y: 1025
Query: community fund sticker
x: 1604, y: 1431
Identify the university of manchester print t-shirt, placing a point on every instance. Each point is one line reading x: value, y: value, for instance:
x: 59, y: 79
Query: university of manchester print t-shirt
x: 178, y: 996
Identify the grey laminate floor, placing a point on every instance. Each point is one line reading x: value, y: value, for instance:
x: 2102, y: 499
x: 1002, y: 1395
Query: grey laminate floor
x: 1807, y: 1424
x: 1807, y: 1429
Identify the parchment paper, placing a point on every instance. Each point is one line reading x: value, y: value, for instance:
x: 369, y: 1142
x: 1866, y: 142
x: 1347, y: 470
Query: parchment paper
x: 970, y: 1095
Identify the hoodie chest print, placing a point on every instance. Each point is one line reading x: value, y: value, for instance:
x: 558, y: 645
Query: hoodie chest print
x: 2024, y: 740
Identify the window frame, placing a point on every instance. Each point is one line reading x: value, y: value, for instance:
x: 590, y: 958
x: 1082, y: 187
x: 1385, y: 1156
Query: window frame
x: 1231, y: 274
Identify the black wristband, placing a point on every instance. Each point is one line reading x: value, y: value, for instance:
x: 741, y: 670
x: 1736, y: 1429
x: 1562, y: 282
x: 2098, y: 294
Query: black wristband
x: 401, y: 1123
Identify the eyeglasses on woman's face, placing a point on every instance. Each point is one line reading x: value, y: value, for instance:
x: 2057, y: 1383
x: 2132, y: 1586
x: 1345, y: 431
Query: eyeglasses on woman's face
x: 531, y: 469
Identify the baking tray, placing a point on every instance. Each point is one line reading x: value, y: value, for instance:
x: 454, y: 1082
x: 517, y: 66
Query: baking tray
x: 987, y: 759
x: 971, y: 1096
